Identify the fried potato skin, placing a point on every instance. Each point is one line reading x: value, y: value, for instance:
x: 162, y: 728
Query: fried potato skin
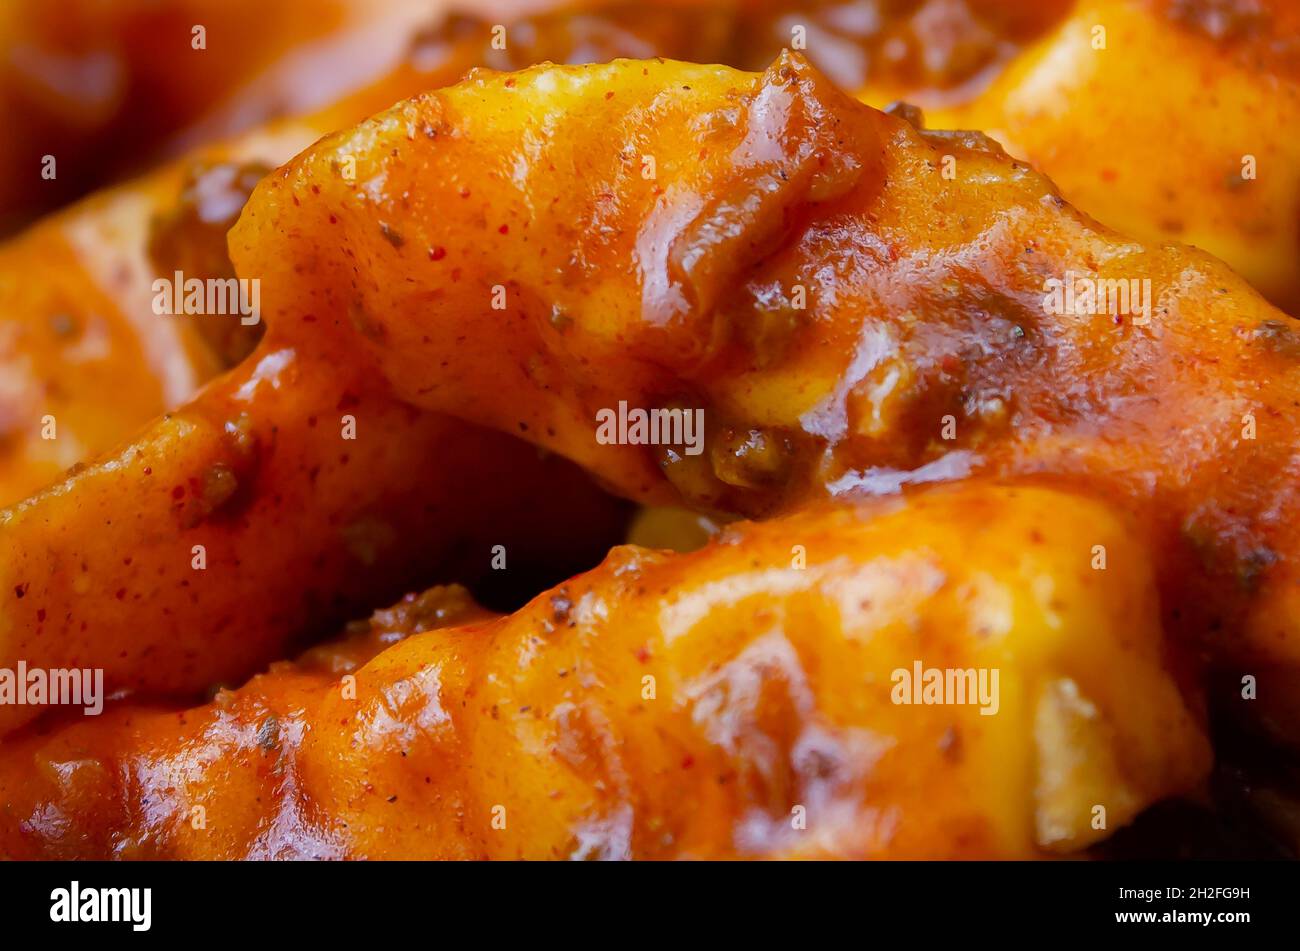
x: 208, y: 745
x: 1029, y: 74
x: 77, y: 315
x: 311, y: 494
x: 927, y: 302
x: 679, y: 706
x: 84, y: 269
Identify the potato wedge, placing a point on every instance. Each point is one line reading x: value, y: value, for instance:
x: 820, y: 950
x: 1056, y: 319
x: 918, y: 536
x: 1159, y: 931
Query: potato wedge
x: 743, y: 701
x: 290, y: 495
x: 548, y: 251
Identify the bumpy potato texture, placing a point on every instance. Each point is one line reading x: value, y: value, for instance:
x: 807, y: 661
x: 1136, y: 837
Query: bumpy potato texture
x: 740, y: 701
x: 531, y: 250
x: 1052, y: 80
x: 74, y: 292
x: 1168, y: 120
x: 857, y: 307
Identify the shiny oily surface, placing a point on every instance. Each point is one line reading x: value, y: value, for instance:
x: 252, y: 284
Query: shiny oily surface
x: 1206, y: 154
x: 1051, y: 80
x: 734, y: 702
x: 797, y: 153
x: 928, y: 349
x: 74, y: 291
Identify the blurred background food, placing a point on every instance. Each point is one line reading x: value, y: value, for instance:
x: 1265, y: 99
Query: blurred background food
x: 136, y: 130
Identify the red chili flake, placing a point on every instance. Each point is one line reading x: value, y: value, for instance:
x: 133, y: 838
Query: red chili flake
x: 688, y: 761
x: 504, y: 229
x: 438, y: 253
